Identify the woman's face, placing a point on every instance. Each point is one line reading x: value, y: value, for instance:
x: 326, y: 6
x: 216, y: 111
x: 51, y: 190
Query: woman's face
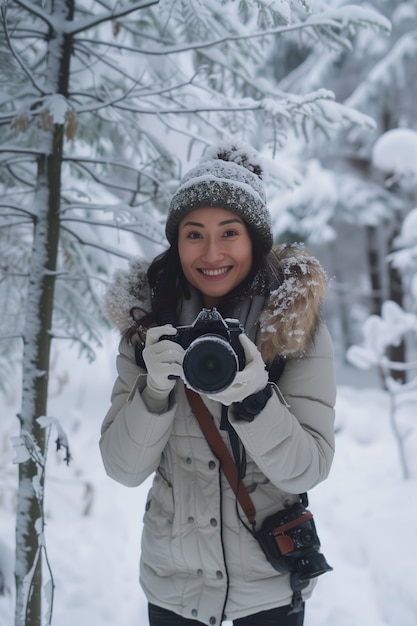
x: 215, y: 251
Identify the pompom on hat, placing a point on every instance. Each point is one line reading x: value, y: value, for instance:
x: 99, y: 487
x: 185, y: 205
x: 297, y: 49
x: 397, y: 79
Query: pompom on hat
x: 228, y: 177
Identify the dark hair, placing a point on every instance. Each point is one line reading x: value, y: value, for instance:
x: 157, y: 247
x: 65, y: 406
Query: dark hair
x: 168, y: 284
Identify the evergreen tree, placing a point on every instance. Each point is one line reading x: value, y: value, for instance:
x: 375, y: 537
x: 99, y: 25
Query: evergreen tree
x: 377, y: 76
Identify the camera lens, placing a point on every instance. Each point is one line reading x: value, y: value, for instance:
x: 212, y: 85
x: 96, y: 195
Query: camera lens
x: 312, y: 565
x: 210, y: 364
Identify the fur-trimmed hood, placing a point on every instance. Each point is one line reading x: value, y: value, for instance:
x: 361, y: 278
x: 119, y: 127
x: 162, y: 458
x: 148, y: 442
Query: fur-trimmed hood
x: 288, y: 319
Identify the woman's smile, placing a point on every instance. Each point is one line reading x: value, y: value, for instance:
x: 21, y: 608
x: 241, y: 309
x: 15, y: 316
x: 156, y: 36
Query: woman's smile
x: 216, y: 272
x: 215, y: 251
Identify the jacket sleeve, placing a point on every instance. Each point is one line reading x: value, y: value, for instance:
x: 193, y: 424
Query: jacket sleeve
x: 132, y: 437
x: 292, y: 439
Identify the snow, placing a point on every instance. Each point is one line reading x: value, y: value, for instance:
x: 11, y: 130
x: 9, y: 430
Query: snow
x: 365, y: 512
x: 395, y: 154
x: 57, y: 107
x: 396, y: 150
x: 380, y: 332
x: 349, y: 14
x: 408, y: 234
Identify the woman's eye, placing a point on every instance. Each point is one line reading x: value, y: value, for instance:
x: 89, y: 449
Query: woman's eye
x: 193, y: 235
x: 230, y: 233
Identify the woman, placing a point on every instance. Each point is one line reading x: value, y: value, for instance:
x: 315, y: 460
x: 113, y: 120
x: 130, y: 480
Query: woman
x: 200, y: 564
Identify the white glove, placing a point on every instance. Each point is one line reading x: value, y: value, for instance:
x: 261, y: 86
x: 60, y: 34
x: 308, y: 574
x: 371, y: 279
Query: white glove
x: 251, y: 379
x: 163, y: 360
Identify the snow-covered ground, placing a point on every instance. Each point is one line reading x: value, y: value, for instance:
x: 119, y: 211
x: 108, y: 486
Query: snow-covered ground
x: 365, y: 512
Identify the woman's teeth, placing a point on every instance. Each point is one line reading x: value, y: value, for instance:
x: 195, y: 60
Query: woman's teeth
x: 216, y: 272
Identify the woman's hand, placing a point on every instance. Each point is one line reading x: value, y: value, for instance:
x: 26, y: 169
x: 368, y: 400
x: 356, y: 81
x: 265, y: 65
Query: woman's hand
x: 251, y: 379
x: 163, y: 360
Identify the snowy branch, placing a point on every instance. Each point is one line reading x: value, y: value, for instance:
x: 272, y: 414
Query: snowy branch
x: 83, y: 164
x: 87, y: 23
x: 36, y: 10
x: 380, y: 333
x: 104, y: 248
x: 18, y: 209
x: 12, y: 149
x: 330, y: 21
x: 383, y: 72
x: 85, y: 346
x: 15, y: 55
x: 136, y: 229
x: 62, y: 439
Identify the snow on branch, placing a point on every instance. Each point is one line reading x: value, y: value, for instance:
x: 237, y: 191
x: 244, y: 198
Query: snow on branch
x: 81, y: 25
x: 383, y: 77
x: 347, y: 18
x: 117, y: 252
x: 26, y: 446
x: 61, y: 440
x: 320, y: 109
x: 328, y: 27
x: 15, y: 55
x: 352, y: 16
x: 379, y: 333
x: 35, y: 9
x: 406, y: 257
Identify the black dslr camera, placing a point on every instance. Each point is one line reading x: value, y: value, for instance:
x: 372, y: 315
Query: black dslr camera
x: 290, y: 542
x: 213, y: 351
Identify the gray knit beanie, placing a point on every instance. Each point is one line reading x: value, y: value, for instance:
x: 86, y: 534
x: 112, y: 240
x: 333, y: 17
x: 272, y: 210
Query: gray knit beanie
x: 229, y: 177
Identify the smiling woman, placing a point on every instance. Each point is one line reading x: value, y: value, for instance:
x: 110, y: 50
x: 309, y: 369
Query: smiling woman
x: 215, y: 252
x: 200, y: 561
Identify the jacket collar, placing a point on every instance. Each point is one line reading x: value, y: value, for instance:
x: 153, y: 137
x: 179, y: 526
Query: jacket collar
x: 289, y: 317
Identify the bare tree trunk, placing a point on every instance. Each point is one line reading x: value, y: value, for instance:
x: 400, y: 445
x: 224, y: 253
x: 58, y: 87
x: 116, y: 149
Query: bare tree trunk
x: 396, y: 294
x: 37, y: 344
x: 374, y: 261
x: 36, y: 355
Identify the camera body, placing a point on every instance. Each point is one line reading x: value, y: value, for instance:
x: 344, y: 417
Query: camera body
x: 213, y: 354
x: 290, y: 542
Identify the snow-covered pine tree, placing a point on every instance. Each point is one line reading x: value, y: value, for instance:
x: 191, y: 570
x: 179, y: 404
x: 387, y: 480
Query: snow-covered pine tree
x: 99, y: 104
x: 386, y: 89
x: 379, y: 77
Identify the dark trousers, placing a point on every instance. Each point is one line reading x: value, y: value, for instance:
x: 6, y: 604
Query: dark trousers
x: 273, y: 617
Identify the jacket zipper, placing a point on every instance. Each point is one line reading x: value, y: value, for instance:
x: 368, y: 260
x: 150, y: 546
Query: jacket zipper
x: 222, y: 617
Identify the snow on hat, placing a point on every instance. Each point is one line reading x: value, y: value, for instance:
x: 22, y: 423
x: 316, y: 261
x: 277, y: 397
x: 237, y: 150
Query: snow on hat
x: 229, y: 177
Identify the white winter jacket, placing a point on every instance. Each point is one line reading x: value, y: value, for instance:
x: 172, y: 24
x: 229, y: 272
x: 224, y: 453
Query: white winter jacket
x: 197, y: 557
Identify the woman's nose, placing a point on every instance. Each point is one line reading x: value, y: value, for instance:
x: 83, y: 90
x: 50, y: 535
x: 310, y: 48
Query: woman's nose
x: 212, y: 252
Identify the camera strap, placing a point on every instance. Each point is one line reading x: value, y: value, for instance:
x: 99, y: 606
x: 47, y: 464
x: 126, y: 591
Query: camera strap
x: 221, y: 452
x: 234, y: 470
x: 233, y: 475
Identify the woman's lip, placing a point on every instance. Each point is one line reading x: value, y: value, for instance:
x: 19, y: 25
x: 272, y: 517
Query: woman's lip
x: 214, y: 272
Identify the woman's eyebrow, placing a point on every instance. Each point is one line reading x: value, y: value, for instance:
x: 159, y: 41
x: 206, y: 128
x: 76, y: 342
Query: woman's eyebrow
x: 231, y: 221
x: 193, y: 224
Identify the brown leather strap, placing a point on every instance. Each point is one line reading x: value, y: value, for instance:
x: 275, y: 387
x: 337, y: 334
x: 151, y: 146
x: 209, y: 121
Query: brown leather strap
x: 219, y: 448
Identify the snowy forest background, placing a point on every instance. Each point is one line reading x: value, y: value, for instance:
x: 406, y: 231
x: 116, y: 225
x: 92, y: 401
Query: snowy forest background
x: 103, y: 105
